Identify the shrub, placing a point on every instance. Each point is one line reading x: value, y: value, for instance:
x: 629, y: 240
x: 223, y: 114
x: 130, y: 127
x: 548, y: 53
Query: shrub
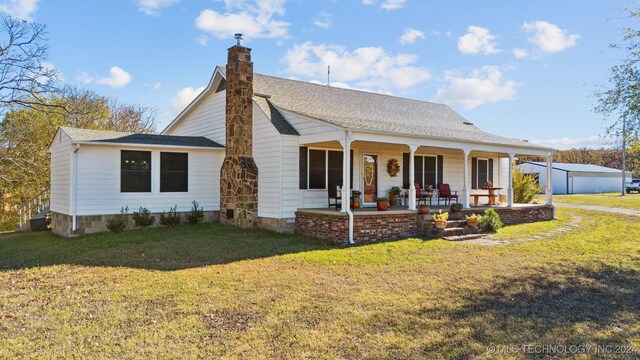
x: 117, y: 223
x: 196, y: 215
x: 143, y: 218
x: 490, y: 222
x: 170, y: 218
x: 525, y: 187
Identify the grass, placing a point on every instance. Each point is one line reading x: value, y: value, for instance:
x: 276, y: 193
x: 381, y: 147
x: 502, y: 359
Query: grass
x: 629, y: 201
x: 215, y: 291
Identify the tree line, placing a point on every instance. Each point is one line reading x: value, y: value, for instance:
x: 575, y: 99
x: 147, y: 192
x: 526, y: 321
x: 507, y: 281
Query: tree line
x: 611, y: 158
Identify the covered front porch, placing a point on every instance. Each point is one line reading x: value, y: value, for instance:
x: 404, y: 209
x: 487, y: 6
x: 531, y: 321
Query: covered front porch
x: 340, y: 162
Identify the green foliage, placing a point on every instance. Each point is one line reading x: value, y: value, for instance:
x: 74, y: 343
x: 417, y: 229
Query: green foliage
x: 143, y: 218
x: 525, y: 187
x: 196, y: 215
x: 490, y: 222
x: 118, y: 223
x: 394, y: 190
x: 440, y: 216
x: 170, y: 218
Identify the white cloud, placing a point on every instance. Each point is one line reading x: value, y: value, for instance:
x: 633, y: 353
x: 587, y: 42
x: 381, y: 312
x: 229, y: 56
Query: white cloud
x: 387, y: 4
x: 480, y: 87
x: 19, y: 9
x: 117, y: 78
x: 548, y: 37
x: 323, y: 20
x: 84, y: 78
x: 594, y: 141
x: 393, y: 4
x: 152, y: 7
x: 202, y: 40
x: 154, y: 87
x: 254, y: 19
x: 477, y: 40
x: 184, y: 97
x: 520, y: 53
x: 365, y: 67
x: 410, y: 36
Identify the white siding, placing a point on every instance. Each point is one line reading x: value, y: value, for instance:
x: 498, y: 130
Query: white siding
x: 207, y: 119
x: 305, y: 125
x: 98, y: 187
x: 290, y: 176
x: 267, y: 152
x: 61, y: 153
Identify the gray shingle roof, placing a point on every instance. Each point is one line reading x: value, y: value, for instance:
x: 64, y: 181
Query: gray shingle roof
x: 278, y: 121
x: 578, y: 167
x: 359, y: 110
x: 102, y: 136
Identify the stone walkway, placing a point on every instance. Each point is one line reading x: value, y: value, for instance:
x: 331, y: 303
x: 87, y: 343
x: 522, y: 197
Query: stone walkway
x: 600, y: 208
x: 487, y: 240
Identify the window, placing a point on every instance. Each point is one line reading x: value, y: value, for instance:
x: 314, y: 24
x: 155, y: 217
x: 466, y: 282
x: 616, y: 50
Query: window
x: 426, y: 171
x: 135, y: 171
x: 481, y: 172
x: 317, y: 169
x: 174, y: 172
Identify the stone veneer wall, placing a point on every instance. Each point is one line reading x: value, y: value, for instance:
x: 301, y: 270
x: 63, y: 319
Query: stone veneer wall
x: 61, y: 224
x: 381, y: 226
x: 518, y: 215
x: 239, y: 173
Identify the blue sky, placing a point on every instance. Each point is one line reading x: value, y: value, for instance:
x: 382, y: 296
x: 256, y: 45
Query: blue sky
x: 524, y: 69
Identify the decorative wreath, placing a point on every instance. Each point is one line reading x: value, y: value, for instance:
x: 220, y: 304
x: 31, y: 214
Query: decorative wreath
x: 393, y: 167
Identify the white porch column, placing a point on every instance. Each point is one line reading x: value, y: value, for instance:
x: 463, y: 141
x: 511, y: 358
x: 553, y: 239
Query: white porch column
x: 465, y: 178
x: 412, y: 179
x: 549, y: 188
x: 510, y: 185
x: 346, y: 167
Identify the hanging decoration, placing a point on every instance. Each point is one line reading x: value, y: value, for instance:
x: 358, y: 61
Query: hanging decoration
x: 393, y: 167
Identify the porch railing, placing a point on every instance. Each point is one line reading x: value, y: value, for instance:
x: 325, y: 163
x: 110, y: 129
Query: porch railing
x: 34, y: 206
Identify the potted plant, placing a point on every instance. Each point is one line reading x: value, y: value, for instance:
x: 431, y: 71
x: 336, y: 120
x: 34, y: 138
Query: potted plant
x: 393, y: 195
x: 355, y: 196
x: 487, y: 184
x: 382, y: 204
x: 456, y: 207
x: 423, y: 209
x: 472, y: 220
x: 440, y: 219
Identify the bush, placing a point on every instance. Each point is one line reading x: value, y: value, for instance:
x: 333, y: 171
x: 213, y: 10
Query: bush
x: 143, y: 218
x: 525, y: 187
x: 196, y: 215
x: 170, y: 218
x: 490, y: 222
x: 117, y: 223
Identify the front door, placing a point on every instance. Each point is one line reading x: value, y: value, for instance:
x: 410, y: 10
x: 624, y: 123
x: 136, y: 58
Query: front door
x: 370, y: 178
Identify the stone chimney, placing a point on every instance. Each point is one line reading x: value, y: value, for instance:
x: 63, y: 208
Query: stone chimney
x: 239, y: 173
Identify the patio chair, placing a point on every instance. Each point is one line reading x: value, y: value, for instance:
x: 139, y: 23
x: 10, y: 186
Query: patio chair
x: 423, y: 195
x: 335, y: 197
x: 445, y: 193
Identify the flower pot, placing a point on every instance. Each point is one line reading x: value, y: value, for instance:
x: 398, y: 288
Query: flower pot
x: 441, y: 224
x: 423, y: 209
x: 355, y: 204
x: 393, y: 200
x: 382, y: 206
x: 472, y: 223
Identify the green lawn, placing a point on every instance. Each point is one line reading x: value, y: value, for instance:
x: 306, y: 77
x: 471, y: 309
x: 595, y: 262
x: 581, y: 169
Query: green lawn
x: 629, y: 201
x: 215, y: 291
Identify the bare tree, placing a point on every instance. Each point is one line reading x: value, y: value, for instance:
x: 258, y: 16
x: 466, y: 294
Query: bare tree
x: 25, y: 77
x: 131, y: 118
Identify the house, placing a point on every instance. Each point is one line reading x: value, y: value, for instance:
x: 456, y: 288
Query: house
x: 264, y: 151
x: 577, y: 178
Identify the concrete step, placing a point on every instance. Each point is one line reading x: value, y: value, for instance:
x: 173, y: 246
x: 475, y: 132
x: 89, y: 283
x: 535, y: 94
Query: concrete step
x: 463, y: 237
